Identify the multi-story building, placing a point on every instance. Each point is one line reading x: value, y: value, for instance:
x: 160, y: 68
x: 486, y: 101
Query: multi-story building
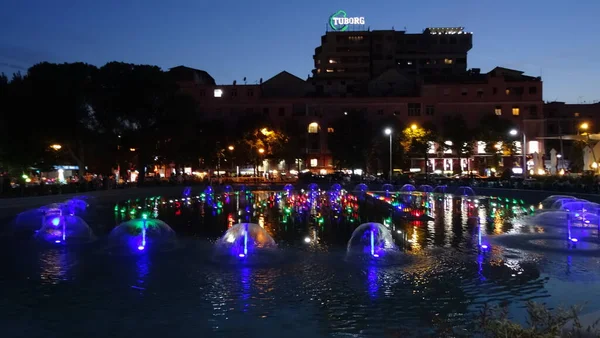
x: 501, y: 91
x: 346, y: 61
x: 561, y: 119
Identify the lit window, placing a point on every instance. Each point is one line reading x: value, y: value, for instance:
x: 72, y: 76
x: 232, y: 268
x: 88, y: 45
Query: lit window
x: 329, y: 70
x: 409, y: 63
x: 480, y: 147
x: 516, y: 111
x: 507, y: 91
x: 534, y: 146
x: 498, y: 110
x: 330, y: 130
x: 313, y: 162
x: 218, y: 92
x: 576, y: 114
x: 448, y: 145
x: 448, y: 61
x: 313, y: 128
x: 333, y: 61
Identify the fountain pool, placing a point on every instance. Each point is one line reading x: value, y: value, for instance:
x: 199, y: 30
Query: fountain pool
x: 308, y: 284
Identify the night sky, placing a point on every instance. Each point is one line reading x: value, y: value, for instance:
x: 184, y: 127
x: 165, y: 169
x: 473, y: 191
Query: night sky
x: 235, y: 39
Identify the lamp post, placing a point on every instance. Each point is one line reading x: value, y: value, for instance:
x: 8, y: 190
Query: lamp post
x: 388, y: 131
x: 231, y: 148
x: 261, y: 151
x: 515, y: 132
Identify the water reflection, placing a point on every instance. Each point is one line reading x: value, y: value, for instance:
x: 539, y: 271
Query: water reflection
x: 56, y: 265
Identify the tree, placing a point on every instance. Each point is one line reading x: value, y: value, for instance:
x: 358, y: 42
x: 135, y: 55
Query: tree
x: 351, y: 141
x: 417, y: 140
x: 461, y: 137
x: 294, y: 149
x: 264, y: 143
x: 494, y: 129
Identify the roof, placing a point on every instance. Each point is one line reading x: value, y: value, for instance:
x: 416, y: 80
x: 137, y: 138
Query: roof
x: 183, y: 73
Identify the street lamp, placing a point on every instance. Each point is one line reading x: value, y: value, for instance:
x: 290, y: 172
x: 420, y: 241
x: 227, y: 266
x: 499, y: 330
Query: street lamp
x: 414, y: 127
x: 388, y: 131
x: 261, y: 151
x: 515, y: 132
x: 230, y: 148
x: 584, y: 126
x: 56, y: 147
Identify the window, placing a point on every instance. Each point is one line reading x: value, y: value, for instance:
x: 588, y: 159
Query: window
x: 494, y: 90
x: 330, y: 130
x: 464, y: 91
x: 498, y: 110
x: 333, y: 61
x: 448, y: 61
x: 516, y: 111
x: 218, y: 92
x: 429, y: 110
x: 314, y: 162
x: 250, y: 92
x: 234, y: 92
x: 414, y: 109
x: 396, y: 113
x: 219, y: 112
x: 329, y: 70
x: 576, y: 114
x: 479, y: 92
x: 380, y: 112
x: 532, y: 90
x: 313, y: 128
x: 446, y: 91
x: 281, y: 111
x: 507, y: 91
x: 265, y: 111
x: 202, y: 92
x: 533, y: 111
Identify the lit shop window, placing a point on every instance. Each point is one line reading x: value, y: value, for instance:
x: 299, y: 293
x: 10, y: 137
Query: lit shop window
x: 218, y: 92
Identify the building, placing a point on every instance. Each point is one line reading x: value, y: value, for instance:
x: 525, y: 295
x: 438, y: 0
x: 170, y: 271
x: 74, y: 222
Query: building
x: 346, y: 60
x: 501, y: 91
x: 561, y: 119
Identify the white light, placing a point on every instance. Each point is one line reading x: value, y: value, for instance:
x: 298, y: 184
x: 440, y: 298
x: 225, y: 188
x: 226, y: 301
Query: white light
x: 306, y: 239
x: 218, y: 92
x: 388, y: 131
x: 513, y: 132
x: 230, y: 239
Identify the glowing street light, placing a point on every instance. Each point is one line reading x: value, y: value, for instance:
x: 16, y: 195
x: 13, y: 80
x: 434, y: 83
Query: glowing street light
x: 56, y: 147
x: 261, y: 151
x: 388, y: 131
x: 514, y: 132
x: 230, y: 148
x: 414, y: 127
x: 266, y: 131
x: 584, y: 126
x: 132, y: 149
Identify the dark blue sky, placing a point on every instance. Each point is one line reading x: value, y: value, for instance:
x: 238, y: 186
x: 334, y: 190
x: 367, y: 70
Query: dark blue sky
x: 254, y: 39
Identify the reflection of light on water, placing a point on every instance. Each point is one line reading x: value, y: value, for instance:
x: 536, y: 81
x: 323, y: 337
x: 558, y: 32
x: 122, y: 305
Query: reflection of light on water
x: 245, y: 276
x: 54, y: 266
x: 498, y: 223
x: 372, y: 281
x: 414, y: 240
x: 143, y: 269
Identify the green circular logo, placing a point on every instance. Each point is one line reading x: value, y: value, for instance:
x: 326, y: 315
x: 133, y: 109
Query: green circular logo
x: 336, y: 21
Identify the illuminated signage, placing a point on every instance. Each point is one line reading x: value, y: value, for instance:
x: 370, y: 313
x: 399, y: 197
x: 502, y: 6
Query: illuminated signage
x: 339, y: 21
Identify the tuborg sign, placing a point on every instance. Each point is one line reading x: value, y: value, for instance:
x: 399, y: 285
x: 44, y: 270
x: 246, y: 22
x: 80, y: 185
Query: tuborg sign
x: 339, y: 21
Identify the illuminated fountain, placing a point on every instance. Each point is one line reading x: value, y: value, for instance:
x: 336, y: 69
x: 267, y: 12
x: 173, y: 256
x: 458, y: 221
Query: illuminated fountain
x: 245, y: 242
x: 425, y: 188
x: 313, y: 187
x: 387, y: 187
x: 61, y: 228
x: 372, y: 241
x: 563, y: 210
x: 228, y: 189
x: 32, y: 220
x: 288, y: 188
x: 408, y: 188
x: 440, y: 189
x: 336, y: 187
x: 141, y: 235
x: 187, y: 191
x: 548, y: 202
x: 361, y: 188
x: 465, y: 191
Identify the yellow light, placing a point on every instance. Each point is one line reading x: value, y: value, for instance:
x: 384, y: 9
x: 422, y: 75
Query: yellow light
x: 131, y: 149
x: 413, y: 127
x: 266, y: 131
x: 56, y: 146
x: 261, y: 150
x: 584, y: 126
x: 561, y: 172
x: 231, y: 148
